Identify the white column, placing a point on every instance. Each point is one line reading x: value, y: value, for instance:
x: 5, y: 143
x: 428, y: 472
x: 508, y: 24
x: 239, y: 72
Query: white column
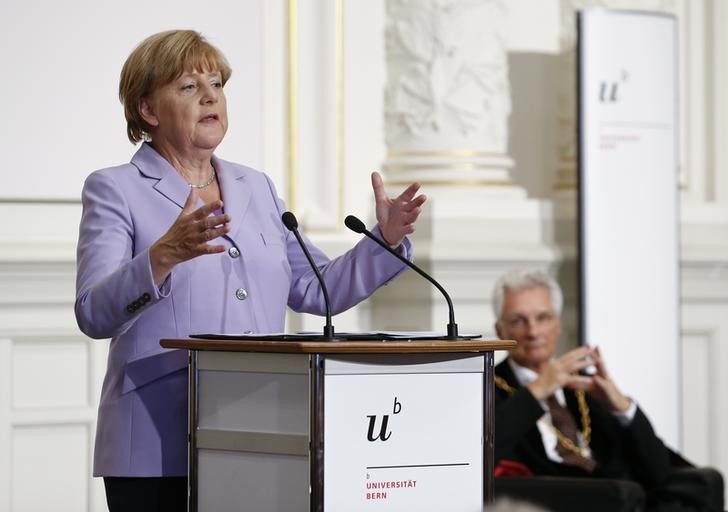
x: 446, y: 113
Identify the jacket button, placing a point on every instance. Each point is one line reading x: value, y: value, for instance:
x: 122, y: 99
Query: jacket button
x: 241, y: 294
x: 233, y: 252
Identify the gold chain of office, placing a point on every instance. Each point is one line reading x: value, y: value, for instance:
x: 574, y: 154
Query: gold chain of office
x: 562, y: 439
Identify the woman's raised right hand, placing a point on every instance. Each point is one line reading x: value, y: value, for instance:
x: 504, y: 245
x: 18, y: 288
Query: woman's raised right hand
x: 188, y: 237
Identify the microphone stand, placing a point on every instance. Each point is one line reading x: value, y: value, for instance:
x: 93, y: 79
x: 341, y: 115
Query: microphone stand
x: 358, y: 226
x: 290, y: 221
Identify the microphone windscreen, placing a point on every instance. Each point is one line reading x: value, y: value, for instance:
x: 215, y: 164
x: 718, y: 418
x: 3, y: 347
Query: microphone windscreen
x: 289, y: 220
x: 354, y: 224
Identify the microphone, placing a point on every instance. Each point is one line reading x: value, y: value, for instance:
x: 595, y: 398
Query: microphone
x: 289, y: 220
x: 358, y: 226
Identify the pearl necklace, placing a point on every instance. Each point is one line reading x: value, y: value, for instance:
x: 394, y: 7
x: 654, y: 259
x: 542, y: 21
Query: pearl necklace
x: 206, y: 184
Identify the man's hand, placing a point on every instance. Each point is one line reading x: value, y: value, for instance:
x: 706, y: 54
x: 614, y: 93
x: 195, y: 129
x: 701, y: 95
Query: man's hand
x: 603, y: 388
x: 562, y: 372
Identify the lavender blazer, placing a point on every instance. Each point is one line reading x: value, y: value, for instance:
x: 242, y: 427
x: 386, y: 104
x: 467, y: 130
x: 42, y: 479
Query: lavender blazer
x: 142, y: 419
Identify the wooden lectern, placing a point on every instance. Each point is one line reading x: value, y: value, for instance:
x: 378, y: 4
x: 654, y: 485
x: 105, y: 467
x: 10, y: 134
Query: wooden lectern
x: 340, y: 425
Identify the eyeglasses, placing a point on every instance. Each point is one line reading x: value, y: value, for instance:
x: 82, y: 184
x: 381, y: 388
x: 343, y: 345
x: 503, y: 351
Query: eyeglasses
x: 542, y: 319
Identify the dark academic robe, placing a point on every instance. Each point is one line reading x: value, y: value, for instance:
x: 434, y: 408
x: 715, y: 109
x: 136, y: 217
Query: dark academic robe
x: 633, y: 452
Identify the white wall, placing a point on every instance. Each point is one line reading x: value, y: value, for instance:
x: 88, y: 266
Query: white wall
x: 63, y: 61
x: 63, y: 112
x: 63, y: 120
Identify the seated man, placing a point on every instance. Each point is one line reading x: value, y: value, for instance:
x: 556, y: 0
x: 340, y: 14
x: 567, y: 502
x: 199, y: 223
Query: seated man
x: 556, y: 421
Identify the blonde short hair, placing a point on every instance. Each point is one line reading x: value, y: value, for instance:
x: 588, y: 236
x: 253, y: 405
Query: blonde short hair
x: 159, y: 60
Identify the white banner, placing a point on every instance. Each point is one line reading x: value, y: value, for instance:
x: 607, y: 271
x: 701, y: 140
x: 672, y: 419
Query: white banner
x: 628, y: 201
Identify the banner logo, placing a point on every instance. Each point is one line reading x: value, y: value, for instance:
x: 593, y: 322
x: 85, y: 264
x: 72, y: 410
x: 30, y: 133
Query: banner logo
x: 609, y: 89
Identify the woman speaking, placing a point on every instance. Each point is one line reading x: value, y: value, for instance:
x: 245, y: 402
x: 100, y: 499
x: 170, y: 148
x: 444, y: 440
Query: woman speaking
x: 179, y: 241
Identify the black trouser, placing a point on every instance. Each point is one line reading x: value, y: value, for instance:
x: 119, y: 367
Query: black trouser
x: 148, y: 494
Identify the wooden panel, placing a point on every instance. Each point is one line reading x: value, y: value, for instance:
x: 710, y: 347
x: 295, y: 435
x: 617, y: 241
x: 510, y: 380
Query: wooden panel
x: 705, y: 356
x: 696, y: 397
x: 50, y: 468
x: 50, y: 373
x: 5, y: 378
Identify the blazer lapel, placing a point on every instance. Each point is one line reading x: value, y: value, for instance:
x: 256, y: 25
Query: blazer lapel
x: 236, y: 192
x: 236, y: 195
x: 152, y: 165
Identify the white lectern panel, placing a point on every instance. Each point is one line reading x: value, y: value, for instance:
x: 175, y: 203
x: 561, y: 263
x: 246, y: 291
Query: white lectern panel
x: 280, y: 401
x: 404, y: 441
x: 239, y: 481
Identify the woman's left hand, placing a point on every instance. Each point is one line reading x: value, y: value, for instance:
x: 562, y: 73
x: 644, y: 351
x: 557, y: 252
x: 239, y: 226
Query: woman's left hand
x: 396, y: 217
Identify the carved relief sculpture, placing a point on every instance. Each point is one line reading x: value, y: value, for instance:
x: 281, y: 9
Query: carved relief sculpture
x: 447, y: 92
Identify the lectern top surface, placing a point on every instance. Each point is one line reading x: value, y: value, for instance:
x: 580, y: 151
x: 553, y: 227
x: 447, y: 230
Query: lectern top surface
x: 340, y: 346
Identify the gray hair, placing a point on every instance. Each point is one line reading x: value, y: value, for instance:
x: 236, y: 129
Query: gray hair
x: 521, y: 279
